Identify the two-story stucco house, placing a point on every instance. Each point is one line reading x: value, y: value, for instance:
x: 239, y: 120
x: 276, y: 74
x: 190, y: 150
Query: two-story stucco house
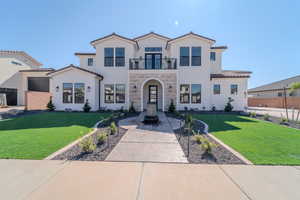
x: 150, y: 68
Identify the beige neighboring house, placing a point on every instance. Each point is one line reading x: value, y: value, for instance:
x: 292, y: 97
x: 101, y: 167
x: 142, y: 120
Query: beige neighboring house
x: 20, y: 73
x: 273, y: 94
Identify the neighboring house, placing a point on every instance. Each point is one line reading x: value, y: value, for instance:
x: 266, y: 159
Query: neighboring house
x: 17, y: 72
x: 273, y: 94
x: 150, y: 68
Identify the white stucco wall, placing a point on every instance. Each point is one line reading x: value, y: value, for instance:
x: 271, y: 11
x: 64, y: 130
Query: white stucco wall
x: 74, y: 76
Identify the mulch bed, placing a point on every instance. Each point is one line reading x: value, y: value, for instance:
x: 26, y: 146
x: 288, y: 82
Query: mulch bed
x: 220, y: 155
x: 102, y: 150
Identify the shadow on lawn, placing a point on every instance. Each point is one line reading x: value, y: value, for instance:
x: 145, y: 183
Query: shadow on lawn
x: 51, y: 120
x: 222, y: 122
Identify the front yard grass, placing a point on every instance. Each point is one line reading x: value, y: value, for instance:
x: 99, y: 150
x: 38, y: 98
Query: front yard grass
x: 37, y: 136
x: 259, y: 141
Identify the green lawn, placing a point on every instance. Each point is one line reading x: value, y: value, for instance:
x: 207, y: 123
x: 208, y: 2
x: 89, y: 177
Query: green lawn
x: 37, y: 136
x: 260, y: 142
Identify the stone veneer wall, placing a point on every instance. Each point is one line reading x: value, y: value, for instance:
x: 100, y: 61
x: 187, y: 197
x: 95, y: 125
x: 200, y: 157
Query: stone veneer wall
x: 138, y: 78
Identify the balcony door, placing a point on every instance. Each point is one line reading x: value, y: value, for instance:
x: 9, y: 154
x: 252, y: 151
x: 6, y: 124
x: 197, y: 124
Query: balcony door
x: 153, y: 60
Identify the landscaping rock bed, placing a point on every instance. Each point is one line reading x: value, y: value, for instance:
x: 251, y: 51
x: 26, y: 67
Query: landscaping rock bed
x: 102, y: 150
x: 219, y: 155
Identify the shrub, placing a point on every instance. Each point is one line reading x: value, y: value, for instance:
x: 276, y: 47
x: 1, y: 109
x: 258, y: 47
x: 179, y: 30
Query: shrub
x: 229, y: 107
x: 86, y: 107
x: 266, y: 117
x: 87, y: 145
x: 283, y: 120
x: 101, y: 138
x: 172, y: 107
x: 113, y: 128
x: 207, y: 146
x: 213, y: 108
x: 252, y: 114
x: 198, y: 138
x: 131, y: 108
x: 50, y: 105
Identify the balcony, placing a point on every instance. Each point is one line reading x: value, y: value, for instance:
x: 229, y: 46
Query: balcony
x: 152, y: 63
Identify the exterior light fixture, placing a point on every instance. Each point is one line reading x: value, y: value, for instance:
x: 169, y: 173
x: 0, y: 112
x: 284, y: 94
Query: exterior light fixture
x: 57, y: 88
x: 89, y: 88
x: 170, y: 86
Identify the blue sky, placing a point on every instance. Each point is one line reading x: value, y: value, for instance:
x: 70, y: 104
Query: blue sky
x: 262, y: 36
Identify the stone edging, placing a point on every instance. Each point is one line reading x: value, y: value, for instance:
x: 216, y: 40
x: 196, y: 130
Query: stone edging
x: 65, y: 148
x: 234, y: 152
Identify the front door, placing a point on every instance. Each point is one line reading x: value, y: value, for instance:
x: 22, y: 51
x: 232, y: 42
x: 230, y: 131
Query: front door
x: 153, y: 61
x: 153, y: 94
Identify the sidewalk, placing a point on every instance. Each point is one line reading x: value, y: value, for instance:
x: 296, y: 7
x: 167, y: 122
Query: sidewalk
x: 27, y: 179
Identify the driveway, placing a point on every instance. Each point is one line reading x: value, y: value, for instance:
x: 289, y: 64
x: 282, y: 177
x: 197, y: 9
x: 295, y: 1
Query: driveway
x: 148, y: 143
x: 76, y: 180
x: 275, y: 112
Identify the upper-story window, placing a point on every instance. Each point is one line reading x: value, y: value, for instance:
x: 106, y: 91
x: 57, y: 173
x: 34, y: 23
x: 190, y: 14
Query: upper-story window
x: 184, y: 56
x: 153, y: 49
x: 108, y: 57
x: 234, y: 89
x: 212, y: 56
x: 196, y: 56
x: 217, y: 89
x: 90, y: 61
x: 120, y: 57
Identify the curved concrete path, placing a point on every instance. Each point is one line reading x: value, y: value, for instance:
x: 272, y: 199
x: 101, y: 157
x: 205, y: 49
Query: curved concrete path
x: 148, y: 143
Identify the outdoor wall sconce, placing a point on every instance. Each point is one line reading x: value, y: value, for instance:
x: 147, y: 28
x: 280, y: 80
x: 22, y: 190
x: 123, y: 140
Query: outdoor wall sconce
x: 89, y: 88
x: 57, y: 88
x: 134, y: 87
x: 170, y: 86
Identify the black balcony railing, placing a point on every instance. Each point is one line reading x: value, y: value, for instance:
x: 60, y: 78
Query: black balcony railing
x: 152, y: 64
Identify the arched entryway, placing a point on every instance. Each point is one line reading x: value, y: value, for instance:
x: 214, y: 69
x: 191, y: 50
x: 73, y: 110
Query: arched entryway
x: 152, y: 90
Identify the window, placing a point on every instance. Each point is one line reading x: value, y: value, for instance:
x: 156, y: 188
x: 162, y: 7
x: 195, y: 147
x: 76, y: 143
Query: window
x: 120, y: 57
x: 196, y: 56
x: 153, y: 49
x: 234, y: 89
x: 16, y: 63
x: 212, y: 56
x: 280, y: 94
x: 120, y: 93
x: 184, y: 56
x: 67, y: 92
x: 109, y: 93
x: 90, y: 61
x: 108, y: 57
x: 217, y: 89
x: 185, y: 93
x: 196, y: 93
x: 79, y: 92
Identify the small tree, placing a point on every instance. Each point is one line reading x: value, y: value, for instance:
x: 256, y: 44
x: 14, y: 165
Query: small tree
x: 229, y: 107
x: 86, y: 107
x: 50, y: 105
x: 113, y: 128
x: 293, y: 87
x: 172, y: 107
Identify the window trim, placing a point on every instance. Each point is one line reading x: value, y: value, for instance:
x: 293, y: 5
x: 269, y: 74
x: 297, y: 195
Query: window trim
x: 110, y: 57
x: 234, y: 93
x: 200, y: 57
x: 188, y: 93
x: 115, y: 57
x: 113, y: 94
x: 188, y: 63
x: 72, y: 92
x: 219, y: 89
x: 75, y: 102
x: 116, y: 93
x: 212, y: 58
x: 194, y: 94
x: 90, y: 60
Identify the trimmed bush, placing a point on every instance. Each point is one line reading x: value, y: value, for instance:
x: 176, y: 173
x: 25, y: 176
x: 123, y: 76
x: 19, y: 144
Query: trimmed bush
x: 87, y: 145
x: 252, y: 114
x: 86, y: 107
x: 50, y: 105
x: 172, y: 107
x: 207, y: 146
x: 113, y: 128
x: 229, y: 107
x: 266, y: 117
x: 101, y: 138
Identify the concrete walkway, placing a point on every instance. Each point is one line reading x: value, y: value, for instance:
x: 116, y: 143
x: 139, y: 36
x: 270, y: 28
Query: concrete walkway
x: 147, y: 142
x: 76, y: 180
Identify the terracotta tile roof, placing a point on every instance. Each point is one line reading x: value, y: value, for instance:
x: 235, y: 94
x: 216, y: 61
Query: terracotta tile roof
x: 110, y: 35
x: 21, y: 53
x: 37, y: 70
x: 219, y: 47
x: 76, y: 67
x: 84, y: 54
x: 151, y: 33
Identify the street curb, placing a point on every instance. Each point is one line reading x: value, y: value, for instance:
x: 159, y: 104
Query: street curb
x: 234, y: 152
x: 65, y: 148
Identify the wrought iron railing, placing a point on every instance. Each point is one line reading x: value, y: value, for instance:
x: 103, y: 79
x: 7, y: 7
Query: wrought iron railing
x: 152, y: 64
